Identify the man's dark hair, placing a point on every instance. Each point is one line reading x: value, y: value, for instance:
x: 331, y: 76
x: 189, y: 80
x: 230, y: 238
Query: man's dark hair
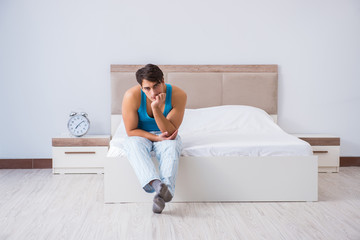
x: 151, y: 73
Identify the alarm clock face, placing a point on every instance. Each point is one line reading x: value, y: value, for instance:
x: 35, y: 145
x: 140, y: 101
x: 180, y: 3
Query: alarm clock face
x: 78, y: 125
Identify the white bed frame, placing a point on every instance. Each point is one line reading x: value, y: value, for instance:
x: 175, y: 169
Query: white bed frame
x: 205, y: 179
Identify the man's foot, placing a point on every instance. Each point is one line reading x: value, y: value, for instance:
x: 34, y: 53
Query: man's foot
x: 164, y: 193
x: 162, y: 190
x: 158, y: 204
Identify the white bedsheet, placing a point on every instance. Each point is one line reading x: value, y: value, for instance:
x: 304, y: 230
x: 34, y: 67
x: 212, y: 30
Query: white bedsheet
x: 228, y: 131
x: 232, y: 144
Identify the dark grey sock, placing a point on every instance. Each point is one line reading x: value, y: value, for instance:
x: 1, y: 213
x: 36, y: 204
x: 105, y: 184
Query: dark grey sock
x: 162, y: 190
x: 158, y: 204
x: 165, y: 193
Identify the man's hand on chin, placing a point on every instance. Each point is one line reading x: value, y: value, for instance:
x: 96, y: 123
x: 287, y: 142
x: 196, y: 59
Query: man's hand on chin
x: 159, y: 101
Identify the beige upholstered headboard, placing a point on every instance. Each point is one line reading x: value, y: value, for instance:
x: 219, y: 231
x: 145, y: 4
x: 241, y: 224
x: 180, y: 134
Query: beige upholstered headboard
x: 206, y: 85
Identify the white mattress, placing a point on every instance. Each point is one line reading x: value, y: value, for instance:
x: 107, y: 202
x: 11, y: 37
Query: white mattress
x: 228, y: 131
x: 229, y: 144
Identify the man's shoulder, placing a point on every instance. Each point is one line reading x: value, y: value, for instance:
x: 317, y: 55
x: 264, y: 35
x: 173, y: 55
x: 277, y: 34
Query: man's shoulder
x: 132, y: 96
x: 178, y: 92
x: 178, y: 96
x: 133, y: 92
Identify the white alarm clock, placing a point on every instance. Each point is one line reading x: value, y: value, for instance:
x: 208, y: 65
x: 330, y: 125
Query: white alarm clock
x: 78, y: 124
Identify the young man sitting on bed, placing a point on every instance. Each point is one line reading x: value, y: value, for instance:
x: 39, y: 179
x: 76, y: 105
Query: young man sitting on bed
x: 152, y: 114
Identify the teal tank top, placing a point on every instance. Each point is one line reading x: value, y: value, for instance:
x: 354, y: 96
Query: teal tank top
x: 148, y: 123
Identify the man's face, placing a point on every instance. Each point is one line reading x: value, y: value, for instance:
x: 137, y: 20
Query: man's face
x: 152, y: 89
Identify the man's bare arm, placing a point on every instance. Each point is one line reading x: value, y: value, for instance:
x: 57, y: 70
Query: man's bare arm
x: 173, y: 120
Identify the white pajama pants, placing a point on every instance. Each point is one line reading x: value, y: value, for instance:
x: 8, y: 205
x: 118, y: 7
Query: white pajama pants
x: 167, y: 152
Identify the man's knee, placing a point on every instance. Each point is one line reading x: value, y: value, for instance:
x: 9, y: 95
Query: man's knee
x: 135, y: 139
x: 169, y: 143
x: 136, y: 142
x: 170, y: 146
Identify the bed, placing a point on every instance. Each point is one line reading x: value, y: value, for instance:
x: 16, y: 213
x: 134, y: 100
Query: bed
x: 273, y: 166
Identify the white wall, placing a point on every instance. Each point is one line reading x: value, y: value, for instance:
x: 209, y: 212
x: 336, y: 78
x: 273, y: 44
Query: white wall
x: 55, y: 57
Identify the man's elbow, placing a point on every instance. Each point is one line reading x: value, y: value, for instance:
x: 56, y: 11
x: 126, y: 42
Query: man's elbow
x: 172, y: 130
x: 131, y: 132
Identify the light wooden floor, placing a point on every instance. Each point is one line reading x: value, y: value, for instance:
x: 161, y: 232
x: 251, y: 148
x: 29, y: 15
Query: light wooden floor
x: 34, y: 204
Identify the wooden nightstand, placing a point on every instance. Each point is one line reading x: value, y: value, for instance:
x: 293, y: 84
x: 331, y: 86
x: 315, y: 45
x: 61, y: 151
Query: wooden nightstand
x: 327, y: 148
x: 79, y: 154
